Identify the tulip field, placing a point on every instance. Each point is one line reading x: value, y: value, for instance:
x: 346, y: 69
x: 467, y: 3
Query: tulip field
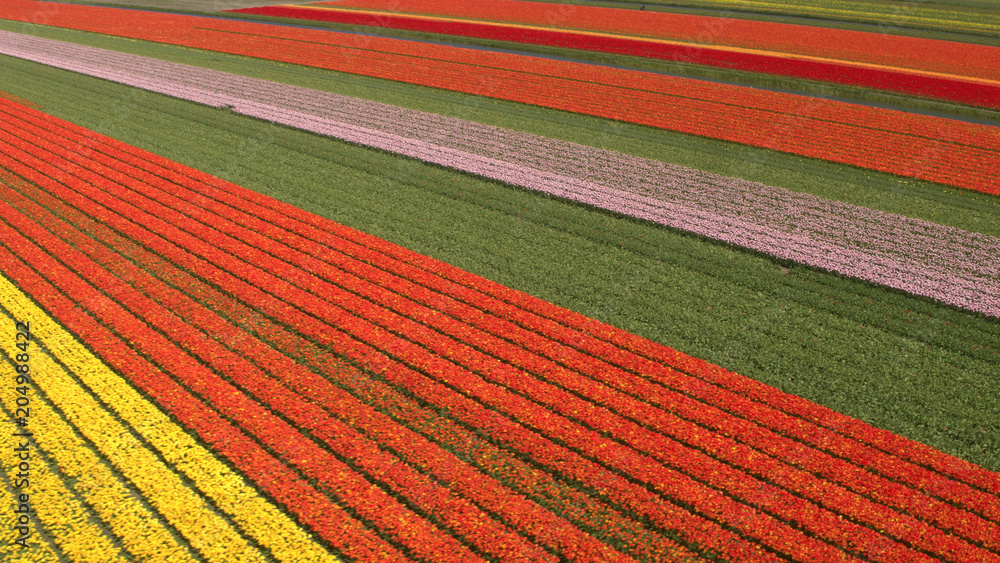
x: 293, y: 293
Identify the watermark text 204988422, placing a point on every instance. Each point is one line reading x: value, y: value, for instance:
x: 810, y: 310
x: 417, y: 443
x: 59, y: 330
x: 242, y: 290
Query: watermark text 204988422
x: 22, y: 433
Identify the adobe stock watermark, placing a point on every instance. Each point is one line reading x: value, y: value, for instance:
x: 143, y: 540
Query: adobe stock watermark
x: 23, y: 447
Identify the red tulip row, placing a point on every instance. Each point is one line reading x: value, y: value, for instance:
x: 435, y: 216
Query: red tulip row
x: 583, y: 410
x: 18, y: 99
x: 733, y: 476
x: 934, y: 149
x: 950, y: 88
x: 949, y: 57
x: 828, y: 468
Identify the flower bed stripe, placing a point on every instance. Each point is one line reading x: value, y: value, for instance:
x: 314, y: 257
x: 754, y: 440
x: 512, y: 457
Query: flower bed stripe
x: 938, y: 85
x: 782, y: 122
x: 41, y: 551
x: 939, y: 262
x: 255, y: 515
x: 19, y: 100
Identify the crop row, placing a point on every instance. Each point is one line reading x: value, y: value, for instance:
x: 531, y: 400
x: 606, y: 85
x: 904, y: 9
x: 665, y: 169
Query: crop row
x: 114, y: 471
x: 916, y: 256
x: 522, y: 410
x: 945, y: 151
x: 945, y: 87
x: 888, y: 18
x: 947, y: 57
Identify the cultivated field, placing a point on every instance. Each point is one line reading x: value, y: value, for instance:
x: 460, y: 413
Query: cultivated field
x: 430, y: 282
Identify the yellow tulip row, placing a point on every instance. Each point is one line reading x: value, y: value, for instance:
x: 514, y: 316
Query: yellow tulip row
x: 143, y: 533
x: 883, y: 14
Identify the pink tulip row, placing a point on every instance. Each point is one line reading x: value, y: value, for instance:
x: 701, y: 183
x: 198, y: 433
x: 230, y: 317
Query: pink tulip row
x: 953, y: 266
